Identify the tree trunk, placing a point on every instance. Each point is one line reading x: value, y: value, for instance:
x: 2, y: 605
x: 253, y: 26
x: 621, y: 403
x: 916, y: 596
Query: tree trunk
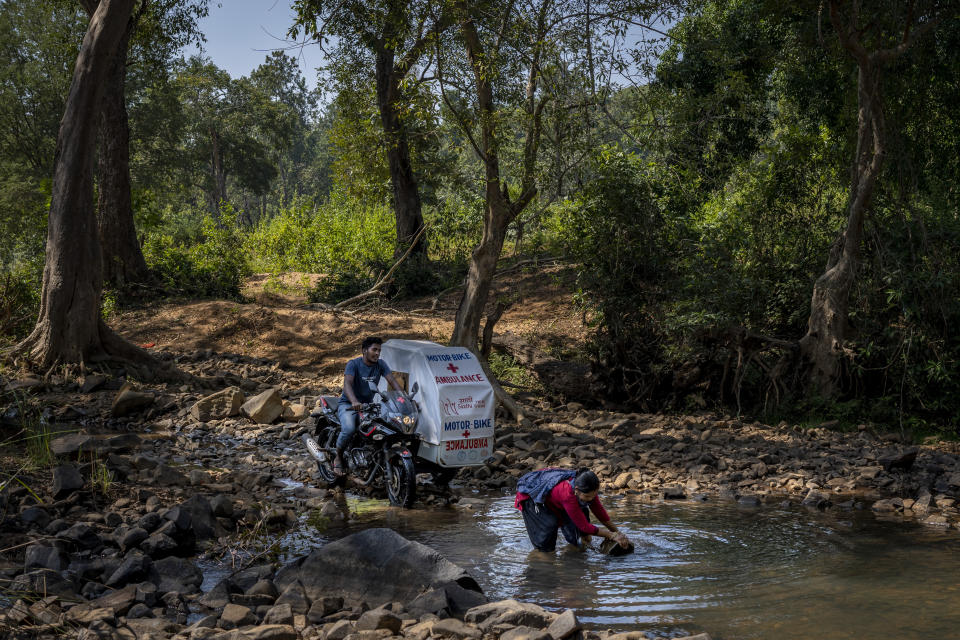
x: 123, y: 261
x: 217, y: 173
x: 483, y: 265
x: 827, y: 328
x: 406, y: 194
x: 69, y: 328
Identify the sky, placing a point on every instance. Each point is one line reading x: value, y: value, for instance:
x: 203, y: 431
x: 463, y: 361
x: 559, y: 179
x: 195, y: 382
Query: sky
x: 241, y: 33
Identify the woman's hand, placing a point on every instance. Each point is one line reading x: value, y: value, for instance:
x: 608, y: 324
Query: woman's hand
x: 621, y: 539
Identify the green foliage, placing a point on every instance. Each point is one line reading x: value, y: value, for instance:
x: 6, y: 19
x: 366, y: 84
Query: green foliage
x: 206, y: 259
x: 507, y: 369
x: 341, y: 234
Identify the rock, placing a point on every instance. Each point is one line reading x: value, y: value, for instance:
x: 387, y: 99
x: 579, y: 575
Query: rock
x: 119, y: 601
x: 132, y: 538
x: 270, y: 632
x: 25, y: 384
x: 176, y: 574
x: 263, y: 408
x: 884, y: 506
x: 815, y: 499
x: 66, y: 480
x: 217, y: 406
x: 453, y: 628
x: 129, y: 401
x: 613, y: 548
x: 323, y: 607
x: 565, y: 625
x: 35, y: 516
x: 38, y: 556
x: 296, y: 599
x: 379, y: 619
x: 235, y: 616
x: 264, y: 588
x: 84, y: 616
x: 92, y: 382
x: 902, y: 460
x: 525, y: 633
x: 509, y: 612
x: 80, y: 535
x: 133, y: 568
x: 140, y: 610
x: 44, y: 582
x: 152, y: 628
x: 340, y: 630
x: 165, y: 476
x: 158, y: 545
x: 749, y: 501
x: 375, y: 566
x: 222, y: 506
x: 295, y: 412
x: 674, y: 492
x: 279, y: 614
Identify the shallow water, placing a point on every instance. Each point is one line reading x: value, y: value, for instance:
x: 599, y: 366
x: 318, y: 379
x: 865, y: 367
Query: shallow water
x: 736, y: 573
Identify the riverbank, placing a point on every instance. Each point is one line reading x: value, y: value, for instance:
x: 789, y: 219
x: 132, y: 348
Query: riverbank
x: 149, y: 477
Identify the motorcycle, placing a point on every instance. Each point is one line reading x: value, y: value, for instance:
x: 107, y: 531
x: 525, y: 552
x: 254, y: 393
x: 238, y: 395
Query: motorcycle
x: 381, y: 452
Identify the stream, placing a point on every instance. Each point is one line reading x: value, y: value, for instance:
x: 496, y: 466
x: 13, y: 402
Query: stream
x: 734, y: 572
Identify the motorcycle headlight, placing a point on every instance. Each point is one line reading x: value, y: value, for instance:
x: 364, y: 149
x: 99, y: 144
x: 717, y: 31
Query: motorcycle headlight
x: 408, y: 420
x: 378, y: 436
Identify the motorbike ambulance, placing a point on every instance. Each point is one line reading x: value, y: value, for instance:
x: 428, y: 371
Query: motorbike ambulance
x: 456, y: 400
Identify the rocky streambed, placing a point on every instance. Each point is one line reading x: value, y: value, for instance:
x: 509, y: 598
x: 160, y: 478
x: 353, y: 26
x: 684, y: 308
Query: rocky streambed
x: 152, y: 477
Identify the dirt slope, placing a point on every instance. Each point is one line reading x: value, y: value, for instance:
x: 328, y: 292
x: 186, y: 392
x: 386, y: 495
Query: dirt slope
x: 278, y: 323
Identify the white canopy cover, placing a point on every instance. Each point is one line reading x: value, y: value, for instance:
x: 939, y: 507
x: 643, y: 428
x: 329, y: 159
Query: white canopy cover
x: 456, y: 400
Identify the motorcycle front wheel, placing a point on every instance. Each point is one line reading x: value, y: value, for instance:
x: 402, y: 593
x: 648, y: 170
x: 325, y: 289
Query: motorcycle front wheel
x: 401, y: 481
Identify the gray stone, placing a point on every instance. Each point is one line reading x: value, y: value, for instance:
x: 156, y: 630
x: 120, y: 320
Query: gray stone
x: 564, y: 626
x: 453, y: 628
x: 176, y: 574
x: 38, y: 556
x: 270, y: 632
x: 279, y: 614
x: 119, y: 601
x: 140, y: 610
x: 673, y: 493
x: 37, y: 516
x: 234, y: 616
x: 158, y: 545
x: 222, y: 506
x: 323, y: 607
x: 375, y: 566
x: 263, y: 408
x: 129, y: 402
x: 66, y: 480
x: 294, y: 596
x: 80, y: 535
x: 217, y: 406
x: 165, y: 476
x: 132, y: 538
x: 92, y: 382
x: 133, y: 568
x: 264, y: 588
x: 379, y: 619
x: 903, y: 460
x: 340, y: 630
x: 525, y: 633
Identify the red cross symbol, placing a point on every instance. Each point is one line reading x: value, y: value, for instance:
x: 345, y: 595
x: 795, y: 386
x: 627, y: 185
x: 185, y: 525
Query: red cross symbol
x: 466, y: 434
x: 452, y: 368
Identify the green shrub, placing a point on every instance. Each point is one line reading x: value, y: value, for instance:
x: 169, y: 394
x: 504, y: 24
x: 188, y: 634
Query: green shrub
x: 19, y: 302
x: 208, y: 260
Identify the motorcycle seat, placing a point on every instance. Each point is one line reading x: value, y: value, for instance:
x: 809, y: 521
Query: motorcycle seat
x: 330, y: 402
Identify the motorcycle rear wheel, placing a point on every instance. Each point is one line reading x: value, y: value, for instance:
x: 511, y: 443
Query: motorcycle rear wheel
x: 325, y: 466
x: 401, y: 482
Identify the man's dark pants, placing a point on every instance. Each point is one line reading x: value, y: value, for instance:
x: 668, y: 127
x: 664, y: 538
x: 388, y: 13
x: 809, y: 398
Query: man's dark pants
x: 542, y: 525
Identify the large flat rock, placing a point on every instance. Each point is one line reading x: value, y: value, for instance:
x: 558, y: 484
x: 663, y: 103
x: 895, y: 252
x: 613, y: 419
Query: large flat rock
x: 376, y: 566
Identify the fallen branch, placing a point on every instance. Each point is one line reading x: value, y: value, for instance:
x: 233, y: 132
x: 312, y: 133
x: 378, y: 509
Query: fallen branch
x: 386, y: 278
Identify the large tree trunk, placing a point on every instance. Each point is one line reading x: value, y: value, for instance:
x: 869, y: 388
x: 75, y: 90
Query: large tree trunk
x: 406, y: 194
x: 483, y: 266
x: 123, y: 261
x: 822, y: 345
x: 69, y: 328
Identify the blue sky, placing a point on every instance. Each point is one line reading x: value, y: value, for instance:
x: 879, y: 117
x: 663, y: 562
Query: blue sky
x: 240, y: 33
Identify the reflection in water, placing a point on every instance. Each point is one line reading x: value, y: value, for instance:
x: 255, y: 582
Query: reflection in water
x: 734, y: 572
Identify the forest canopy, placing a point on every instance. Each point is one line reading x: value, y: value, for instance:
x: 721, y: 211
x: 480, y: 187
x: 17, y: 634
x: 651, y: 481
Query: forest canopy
x: 759, y: 198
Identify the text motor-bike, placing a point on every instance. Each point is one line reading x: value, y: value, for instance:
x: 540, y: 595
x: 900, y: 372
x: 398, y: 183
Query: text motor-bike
x: 381, y: 452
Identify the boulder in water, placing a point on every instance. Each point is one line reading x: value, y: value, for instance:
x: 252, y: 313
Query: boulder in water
x: 374, y: 566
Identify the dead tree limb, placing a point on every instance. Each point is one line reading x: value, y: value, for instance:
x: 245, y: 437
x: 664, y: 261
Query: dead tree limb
x: 387, y: 278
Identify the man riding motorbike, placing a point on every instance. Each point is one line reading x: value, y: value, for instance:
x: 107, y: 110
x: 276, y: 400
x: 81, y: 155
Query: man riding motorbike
x: 358, y: 376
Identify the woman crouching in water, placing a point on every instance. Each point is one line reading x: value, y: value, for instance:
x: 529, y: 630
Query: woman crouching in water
x: 560, y: 499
